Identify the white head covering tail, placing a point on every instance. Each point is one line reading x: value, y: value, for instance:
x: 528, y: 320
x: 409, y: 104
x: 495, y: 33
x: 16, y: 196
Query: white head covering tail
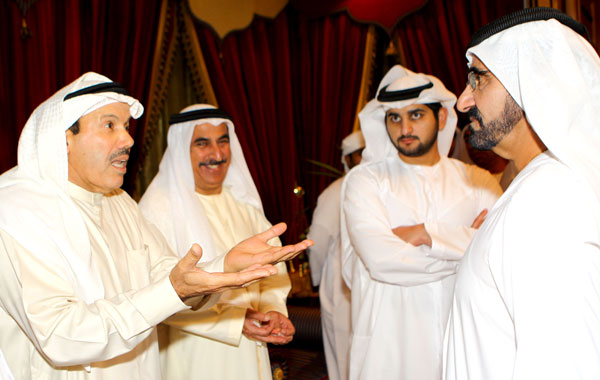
x: 34, y: 195
x: 172, y: 196
x: 351, y: 144
x: 372, y: 117
x: 554, y: 76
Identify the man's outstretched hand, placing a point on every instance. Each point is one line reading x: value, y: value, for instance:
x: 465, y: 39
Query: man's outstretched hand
x: 188, y: 280
x: 256, y: 251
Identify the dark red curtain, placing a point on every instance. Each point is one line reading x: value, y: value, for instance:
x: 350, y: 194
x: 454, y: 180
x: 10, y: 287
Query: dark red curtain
x: 290, y: 85
x: 435, y: 38
x: 328, y: 58
x: 68, y: 38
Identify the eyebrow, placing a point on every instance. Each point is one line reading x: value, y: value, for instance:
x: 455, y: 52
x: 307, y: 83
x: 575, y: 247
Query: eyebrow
x: 203, y: 139
x: 477, y: 71
x: 418, y: 109
x: 113, y: 116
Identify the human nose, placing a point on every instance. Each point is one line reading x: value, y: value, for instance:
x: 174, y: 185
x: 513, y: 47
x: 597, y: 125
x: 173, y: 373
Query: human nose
x: 219, y: 154
x: 125, y: 139
x: 406, y: 128
x: 465, y: 100
x: 214, y: 151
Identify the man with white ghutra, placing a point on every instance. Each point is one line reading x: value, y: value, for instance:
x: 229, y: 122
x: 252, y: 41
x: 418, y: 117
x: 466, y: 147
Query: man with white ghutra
x: 204, y: 193
x: 84, y: 277
x: 408, y: 214
x: 527, y: 299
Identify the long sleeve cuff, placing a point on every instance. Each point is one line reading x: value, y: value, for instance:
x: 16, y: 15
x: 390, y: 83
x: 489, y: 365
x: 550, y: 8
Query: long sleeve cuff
x: 157, y: 301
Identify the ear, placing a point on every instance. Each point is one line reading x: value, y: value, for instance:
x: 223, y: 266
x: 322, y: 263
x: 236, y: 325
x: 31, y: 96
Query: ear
x: 442, y: 117
x: 69, y: 137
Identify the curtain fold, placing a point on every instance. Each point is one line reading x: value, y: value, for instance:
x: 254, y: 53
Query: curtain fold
x: 69, y: 38
x: 435, y: 37
x: 291, y: 86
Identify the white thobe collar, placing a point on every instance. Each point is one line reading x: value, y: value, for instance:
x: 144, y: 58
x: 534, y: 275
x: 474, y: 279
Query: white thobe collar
x: 83, y: 195
x: 423, y: 169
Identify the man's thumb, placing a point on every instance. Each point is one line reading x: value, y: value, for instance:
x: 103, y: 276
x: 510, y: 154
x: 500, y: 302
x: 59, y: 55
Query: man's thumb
x: 193, y: 255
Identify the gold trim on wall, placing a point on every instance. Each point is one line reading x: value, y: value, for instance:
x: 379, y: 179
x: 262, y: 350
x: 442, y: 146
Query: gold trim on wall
x: 193, y: 53
x: 367, y: 74
x: 162, y: 63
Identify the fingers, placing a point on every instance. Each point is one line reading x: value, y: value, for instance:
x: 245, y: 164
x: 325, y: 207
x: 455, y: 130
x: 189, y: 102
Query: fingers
x: 192, y: 257
x: 272, y: 232
x: 272, y: 270
x: 253, y: 324
x: 278, y: 330
x: 479, y: 219
x: 219, y: 282
x: 301, y: 246
x: 257, y: 315
x: 288, y: 252
x: 273, y: 339
x: 248, y: 276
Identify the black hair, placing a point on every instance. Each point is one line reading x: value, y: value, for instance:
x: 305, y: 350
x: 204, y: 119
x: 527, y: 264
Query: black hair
x: 74, y: 128
x: 435, y: 107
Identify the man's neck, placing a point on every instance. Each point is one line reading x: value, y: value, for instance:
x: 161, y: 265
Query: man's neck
x: 521, y: 145
x: 428, y: 159
x: 209, y: 192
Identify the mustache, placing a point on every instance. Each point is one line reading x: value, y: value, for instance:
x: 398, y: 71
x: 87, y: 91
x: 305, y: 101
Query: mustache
x: 124, y: 151
x: 212, y: 162
x: 475, y: 114
x: 408, y: 137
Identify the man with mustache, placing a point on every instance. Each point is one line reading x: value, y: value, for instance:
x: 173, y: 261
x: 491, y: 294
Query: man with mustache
x: 204, y: 192
x: 84, y: 277
x: 527, y: 299
x: 408, y: 214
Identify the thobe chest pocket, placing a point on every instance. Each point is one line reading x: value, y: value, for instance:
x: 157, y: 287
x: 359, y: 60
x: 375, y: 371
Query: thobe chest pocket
x: 138, y: 262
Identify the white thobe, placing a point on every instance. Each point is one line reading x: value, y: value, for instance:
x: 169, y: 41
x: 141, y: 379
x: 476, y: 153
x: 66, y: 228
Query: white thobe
x: 401, y: 294
x: 325, y: 269
x: 49, y: 333
x: 210, y: 344
x: 527, y: 302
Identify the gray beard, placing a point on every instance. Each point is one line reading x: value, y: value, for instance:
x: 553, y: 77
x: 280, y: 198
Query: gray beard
x: 488, y: 136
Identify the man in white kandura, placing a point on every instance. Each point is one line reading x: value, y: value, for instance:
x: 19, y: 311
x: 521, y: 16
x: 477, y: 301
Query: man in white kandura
x: 326, y: 265
x: 527, y: 300
x: 204, y: 193
x: 84, y: 277
x: 408, y: 214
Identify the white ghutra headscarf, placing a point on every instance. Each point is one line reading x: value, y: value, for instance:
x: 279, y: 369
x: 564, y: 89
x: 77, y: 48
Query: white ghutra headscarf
x: 171, y: 201
x: 553, y: 74
x: 372, y: 117
x: 351, y: 144
x: 35, y: 206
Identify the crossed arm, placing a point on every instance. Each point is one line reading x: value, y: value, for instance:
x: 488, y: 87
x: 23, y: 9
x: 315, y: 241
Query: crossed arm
x: 417, y: 234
